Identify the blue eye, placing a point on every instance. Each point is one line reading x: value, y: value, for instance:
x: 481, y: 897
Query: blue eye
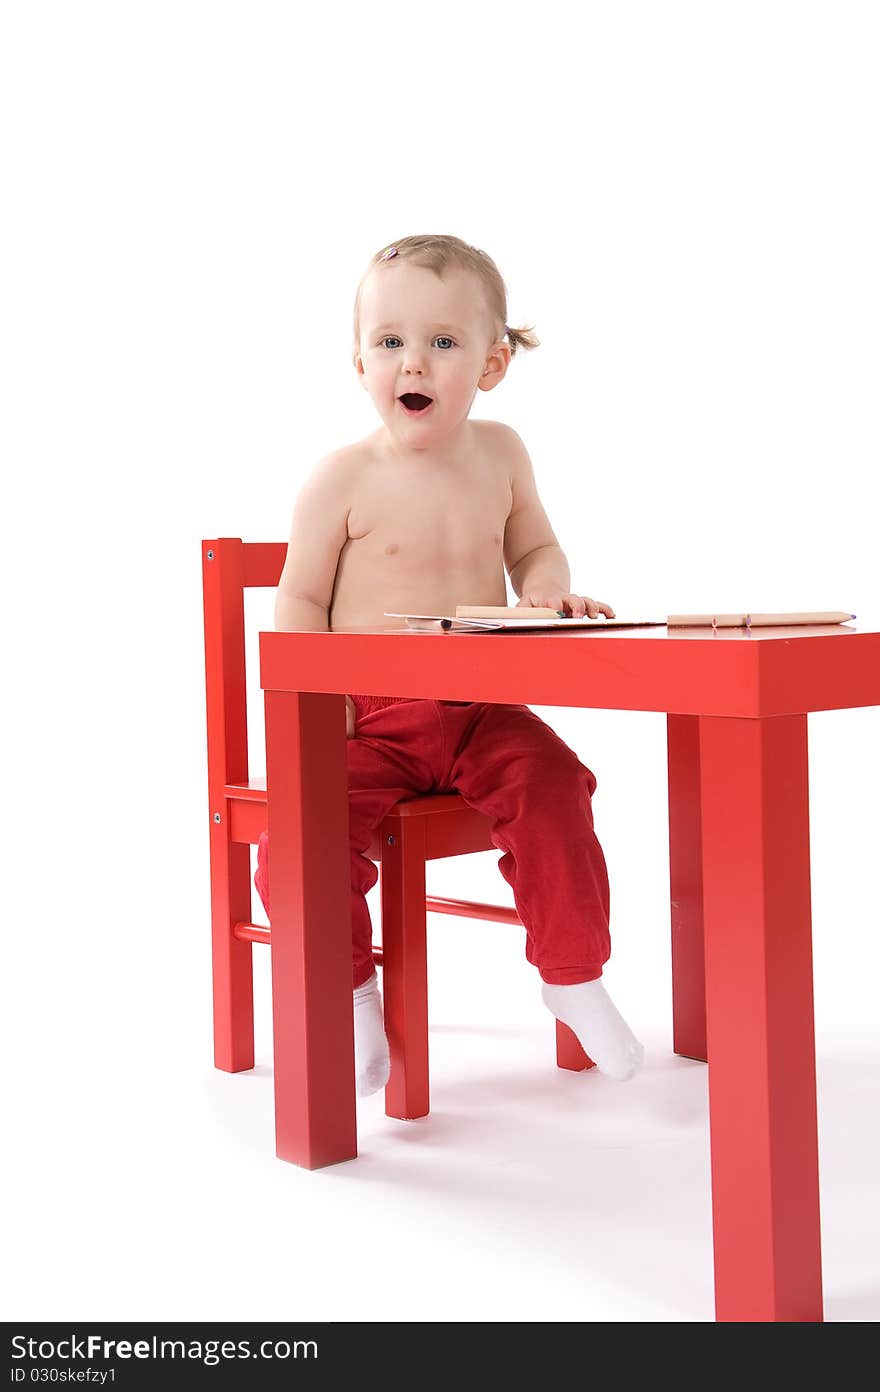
x: 444, y: 337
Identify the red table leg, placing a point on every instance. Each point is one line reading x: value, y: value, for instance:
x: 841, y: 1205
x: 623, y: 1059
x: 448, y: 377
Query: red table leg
x: 309, y: 888
x: 759, y: 998
x: 686, y: 887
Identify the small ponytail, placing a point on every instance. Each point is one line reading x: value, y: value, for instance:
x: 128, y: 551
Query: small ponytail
x: 521, y: 338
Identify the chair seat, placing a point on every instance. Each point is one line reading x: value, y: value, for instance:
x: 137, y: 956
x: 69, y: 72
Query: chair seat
x: 255, y: 791
x: 252, y: 791
x: 452, y: 827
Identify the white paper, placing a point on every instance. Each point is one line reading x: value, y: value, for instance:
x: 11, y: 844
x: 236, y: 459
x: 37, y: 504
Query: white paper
x: 452, y: 622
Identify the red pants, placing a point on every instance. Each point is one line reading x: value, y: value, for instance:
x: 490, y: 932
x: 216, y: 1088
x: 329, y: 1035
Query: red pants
x: 506, y: 762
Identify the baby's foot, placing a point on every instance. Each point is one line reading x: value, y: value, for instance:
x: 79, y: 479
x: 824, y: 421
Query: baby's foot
x: 588, y: 1009
x: 372, y: 1061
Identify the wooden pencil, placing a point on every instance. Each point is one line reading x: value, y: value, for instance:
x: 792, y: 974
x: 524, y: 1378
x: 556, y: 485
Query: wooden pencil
x: 754, y: 620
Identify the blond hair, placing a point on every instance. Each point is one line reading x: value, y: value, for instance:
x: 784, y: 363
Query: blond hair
x: 438, y: 254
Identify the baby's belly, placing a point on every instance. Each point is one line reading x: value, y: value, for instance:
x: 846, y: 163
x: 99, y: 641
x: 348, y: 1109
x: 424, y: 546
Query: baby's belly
x: 368, y: 586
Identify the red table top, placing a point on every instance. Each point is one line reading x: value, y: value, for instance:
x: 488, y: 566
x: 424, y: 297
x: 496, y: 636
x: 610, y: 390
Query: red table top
x: 687, y: 671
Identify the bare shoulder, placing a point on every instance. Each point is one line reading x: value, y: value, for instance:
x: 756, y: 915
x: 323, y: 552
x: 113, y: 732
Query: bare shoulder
x: 339, y: 465
x: 318, y: 532
x: 507, y: 448
x: 331, y: 480
x: 324, y: 498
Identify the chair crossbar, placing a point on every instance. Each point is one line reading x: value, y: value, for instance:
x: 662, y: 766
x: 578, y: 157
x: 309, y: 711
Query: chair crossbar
x: 465, y: 908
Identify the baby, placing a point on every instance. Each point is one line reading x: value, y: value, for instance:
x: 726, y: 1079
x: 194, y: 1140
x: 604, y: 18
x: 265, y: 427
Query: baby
x: 422, y: 515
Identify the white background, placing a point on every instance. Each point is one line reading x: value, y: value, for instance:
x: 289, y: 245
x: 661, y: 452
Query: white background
x: 683, y: 199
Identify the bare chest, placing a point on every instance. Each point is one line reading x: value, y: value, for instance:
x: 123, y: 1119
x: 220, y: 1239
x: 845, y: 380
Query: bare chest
x: 446, y: 517
x: 420, y: 542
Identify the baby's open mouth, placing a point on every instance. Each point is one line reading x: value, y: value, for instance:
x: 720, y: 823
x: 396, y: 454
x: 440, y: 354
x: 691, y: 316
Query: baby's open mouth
x: 415, y: 401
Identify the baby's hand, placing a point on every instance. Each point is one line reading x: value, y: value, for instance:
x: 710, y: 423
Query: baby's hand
x: 349, y: 717
x: 573, y: 606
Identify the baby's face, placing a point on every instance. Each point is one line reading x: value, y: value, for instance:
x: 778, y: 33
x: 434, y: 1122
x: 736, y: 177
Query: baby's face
x: 423, y: 335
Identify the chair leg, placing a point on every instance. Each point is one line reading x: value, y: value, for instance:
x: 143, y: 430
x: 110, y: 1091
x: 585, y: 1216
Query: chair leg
x: 231, y: 958
x: 405, y: 966
x: 569, y: 1053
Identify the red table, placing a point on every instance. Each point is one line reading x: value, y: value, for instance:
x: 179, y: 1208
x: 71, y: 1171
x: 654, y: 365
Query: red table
x: 736, y: 703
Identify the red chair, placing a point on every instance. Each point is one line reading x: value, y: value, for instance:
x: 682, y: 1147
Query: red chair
x: 421, y: 829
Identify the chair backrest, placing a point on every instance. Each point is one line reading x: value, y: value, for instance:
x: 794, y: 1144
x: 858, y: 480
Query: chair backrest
x: 229, y: 567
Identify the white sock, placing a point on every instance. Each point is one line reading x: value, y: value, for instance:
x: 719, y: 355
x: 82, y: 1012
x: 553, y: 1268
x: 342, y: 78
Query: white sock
x: 587, y: 1008
x: 372, y: 1062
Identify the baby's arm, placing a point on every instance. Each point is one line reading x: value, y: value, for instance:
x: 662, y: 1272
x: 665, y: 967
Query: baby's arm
x: 318, y: 532
x: 535, y: 561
